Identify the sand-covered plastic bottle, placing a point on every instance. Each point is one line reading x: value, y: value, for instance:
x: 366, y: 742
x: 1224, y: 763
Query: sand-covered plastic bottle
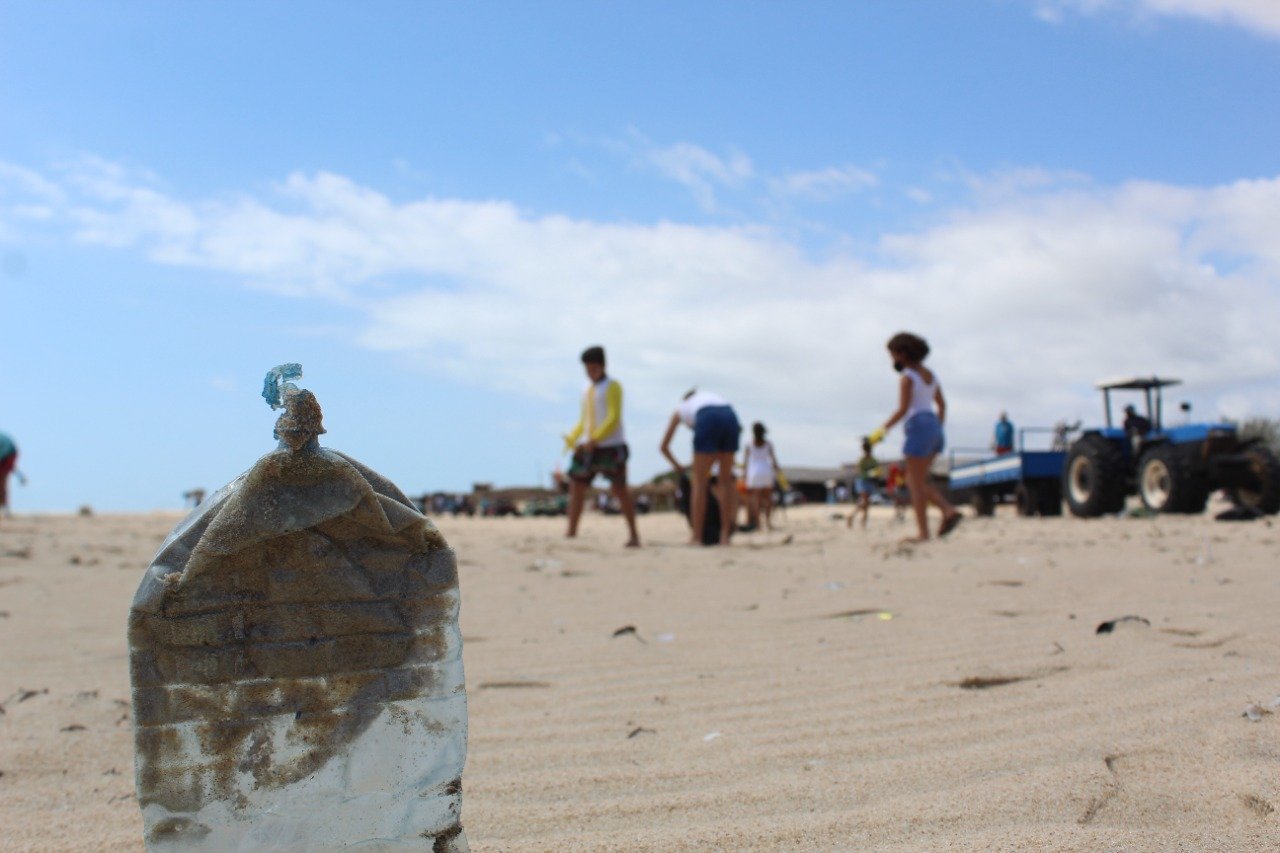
x: 296, y: 661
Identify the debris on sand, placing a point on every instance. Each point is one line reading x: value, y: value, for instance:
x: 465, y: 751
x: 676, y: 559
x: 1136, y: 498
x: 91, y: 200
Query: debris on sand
x: 986, y: 682
x: 626, y: 630
x: 641, y: 730
x: 883, y: 615
x: 1254, y: 712
x: 977, y: 682
x: 23, y: 695
x: 1257, y: 805
x: 1110, y: 625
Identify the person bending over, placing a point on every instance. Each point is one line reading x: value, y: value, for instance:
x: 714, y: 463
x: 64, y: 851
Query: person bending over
x: 716, y: 434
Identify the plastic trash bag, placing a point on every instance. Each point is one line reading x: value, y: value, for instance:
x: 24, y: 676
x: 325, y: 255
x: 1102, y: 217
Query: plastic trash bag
x: 296, y: 662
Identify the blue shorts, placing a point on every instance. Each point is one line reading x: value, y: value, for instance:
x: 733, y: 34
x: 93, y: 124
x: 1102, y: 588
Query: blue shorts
x: 924, y: 435
x: 716, y: 430
x: 864, y: 486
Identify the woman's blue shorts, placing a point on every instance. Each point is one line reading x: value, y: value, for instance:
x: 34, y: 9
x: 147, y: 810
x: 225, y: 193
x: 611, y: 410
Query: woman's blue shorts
x: 924, y: 435
x: 716, y: 430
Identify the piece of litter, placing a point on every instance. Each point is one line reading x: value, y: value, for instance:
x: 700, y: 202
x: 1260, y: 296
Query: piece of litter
x: 884, y: 615
x: 628, y: 629
x: 23, y: 695
x: 641, y: 730
x: 710, y: 736
x: 1110, y: 625
x: 360, y: 739
x: 665, y: 638
x: 1255, y: 712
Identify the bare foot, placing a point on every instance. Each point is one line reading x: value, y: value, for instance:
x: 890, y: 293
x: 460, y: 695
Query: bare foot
x: 632, y: 543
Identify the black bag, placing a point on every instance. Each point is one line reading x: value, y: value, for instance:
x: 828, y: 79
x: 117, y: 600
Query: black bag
x: 711, y: 523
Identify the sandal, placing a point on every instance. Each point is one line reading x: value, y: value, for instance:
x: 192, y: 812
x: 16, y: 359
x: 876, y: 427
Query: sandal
x: 949, y: 524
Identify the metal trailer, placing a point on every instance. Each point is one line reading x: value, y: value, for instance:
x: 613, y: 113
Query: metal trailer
x: 1031, y: 478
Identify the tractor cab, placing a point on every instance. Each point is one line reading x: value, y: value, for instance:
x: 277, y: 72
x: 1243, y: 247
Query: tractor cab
x: 1151, y: 389
x: 1144, y: 425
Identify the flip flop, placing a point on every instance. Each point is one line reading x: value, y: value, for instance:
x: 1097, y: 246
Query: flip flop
x: 949, y: 524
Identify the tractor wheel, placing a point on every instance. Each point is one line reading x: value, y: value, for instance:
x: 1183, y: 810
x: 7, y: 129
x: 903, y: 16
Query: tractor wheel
x: 1093, y: 477
x: 1043, y: 498
x: 1168, y: 480
x: 1265, y: 466
x: 983, y: 503
x: 1026, y: 499
x: 1049, y: 498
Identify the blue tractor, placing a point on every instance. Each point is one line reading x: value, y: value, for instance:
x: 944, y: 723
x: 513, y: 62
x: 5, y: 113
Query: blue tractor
x: 1172, y: 468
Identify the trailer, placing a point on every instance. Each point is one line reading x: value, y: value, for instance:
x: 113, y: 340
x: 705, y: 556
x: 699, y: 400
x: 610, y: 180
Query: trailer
x: 1030, y: 478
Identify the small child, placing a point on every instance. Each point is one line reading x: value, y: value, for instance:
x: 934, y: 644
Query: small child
x: 896, y: 487
x: 865, y: 485
x: 761, y: 467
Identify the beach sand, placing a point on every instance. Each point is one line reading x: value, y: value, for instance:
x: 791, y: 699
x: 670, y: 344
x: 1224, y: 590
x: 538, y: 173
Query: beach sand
x: 836, y: 692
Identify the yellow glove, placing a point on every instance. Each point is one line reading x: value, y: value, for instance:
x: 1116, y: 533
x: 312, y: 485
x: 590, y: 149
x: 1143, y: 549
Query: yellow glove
x: 782, y: 481
x: 876, y: 436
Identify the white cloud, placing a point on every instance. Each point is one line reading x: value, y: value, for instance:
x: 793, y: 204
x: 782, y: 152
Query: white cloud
x: 701, y: 171
x: 733, y: 183
x: 825, y: 183
x: 1038, y: 287
x: 1261, y: 16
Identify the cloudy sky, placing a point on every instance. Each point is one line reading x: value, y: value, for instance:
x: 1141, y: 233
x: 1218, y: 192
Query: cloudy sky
x: 435, y: 206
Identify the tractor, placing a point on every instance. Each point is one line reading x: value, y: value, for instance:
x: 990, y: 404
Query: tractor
x: 1172, y: 468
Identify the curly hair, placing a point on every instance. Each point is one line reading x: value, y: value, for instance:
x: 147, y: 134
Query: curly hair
x: 914, y: 347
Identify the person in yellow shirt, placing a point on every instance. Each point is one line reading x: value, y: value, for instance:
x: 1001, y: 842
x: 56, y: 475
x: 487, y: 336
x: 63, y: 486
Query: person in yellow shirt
x: 599, y: 444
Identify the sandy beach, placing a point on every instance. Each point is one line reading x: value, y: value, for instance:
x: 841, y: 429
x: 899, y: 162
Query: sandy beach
x: 814, y: 688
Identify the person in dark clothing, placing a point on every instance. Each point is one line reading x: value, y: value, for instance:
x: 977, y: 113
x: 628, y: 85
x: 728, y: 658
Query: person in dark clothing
x: 1135, y: 425
x: 8, y: 465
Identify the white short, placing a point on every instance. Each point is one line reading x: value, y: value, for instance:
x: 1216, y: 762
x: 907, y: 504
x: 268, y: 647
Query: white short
x: 759, y: 479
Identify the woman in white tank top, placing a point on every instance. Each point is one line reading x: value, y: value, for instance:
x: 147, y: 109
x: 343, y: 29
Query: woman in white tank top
x: 919, y: 393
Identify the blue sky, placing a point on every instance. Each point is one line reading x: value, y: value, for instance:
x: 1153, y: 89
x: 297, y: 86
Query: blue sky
x: 435, y: 206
